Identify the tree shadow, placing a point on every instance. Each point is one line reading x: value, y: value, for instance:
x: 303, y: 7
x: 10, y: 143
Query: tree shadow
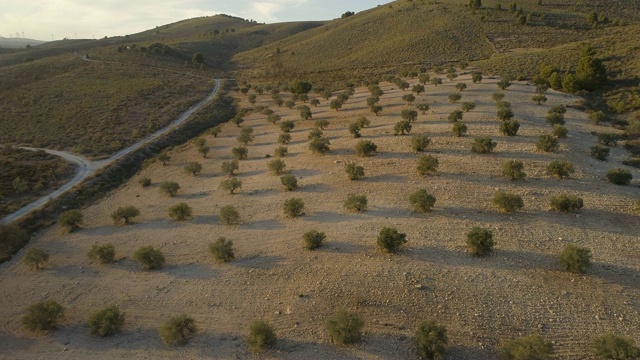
x: 10, y: 343
x: 389, y: 212
x: 244, y: 174
x: 343, y: 247
x: 205, y: 219
x: 191, y: 271
x: 258, y: 261
x: 198, y: 195
x: 331, y: 217
x: 302, y: 173
x: 316, y: 188
x: 263, y: 225
x: 386, y: 178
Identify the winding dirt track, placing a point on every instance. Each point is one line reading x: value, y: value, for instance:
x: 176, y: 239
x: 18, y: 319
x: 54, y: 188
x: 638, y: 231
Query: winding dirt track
x: 86, y: 167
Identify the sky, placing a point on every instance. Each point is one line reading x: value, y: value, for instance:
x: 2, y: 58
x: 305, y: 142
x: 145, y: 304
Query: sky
x: 85, y: 19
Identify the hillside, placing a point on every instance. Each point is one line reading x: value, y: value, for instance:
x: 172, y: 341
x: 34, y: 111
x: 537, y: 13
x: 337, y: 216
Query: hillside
x: 483, y: 301
x: 18, y: 43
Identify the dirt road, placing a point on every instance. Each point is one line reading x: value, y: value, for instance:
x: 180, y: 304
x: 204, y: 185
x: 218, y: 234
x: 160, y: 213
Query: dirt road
x: 86, y: 167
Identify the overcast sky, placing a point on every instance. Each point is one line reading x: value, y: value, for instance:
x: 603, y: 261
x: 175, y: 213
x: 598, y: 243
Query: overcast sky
x: 40, y: 19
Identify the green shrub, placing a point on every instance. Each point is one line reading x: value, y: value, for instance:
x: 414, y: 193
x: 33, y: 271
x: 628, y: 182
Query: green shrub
x: 356, y: 203
x: 507, y: 202
x: 560, y: 169
x: 34, y: 257
x: 180, y: 211
x: 193, y: 167
x: 43, y: 316
x: 107, y: 321
x: 615, y: 347
x: 531, y: 347
x: 286, y: 126
x: 389, y: 239
x: 229, y: 167
x: 619, y: 176
x: 294, y: 207
x: 608, y: 139
x: 149, y: 257
x: 480, y: 241
x: 345, y: 328
x: 597, y: 117
x: 169, y: 188
x: 422, y: 201
x: 261, y: 336
x: 600, y: 153
x: 547, y: 143
x: 354, y: 172
x: 284, y: 138
x: 566, y: 203
x: 105, y: 253
x: 468, y: 106
x: 513, y: 170
x: 124, y: 214
x: 427, y: 164
x: 402, y: 127
x: 313, y: 239
x: 363, y: 122
x: 419, y: 142
x: 497, y: 96
x: 354, y: 130
x: 319, y: 146
x: 71, y: 219
x: 504, y: 113
x: 229, y: 215
x: 459, y: 129
x: 509, y: 127
x: 290, y: 182
x: 503, y: 84
x: 554, y: 118
x: 222, y: 250
x: 455, y: 116
x: 575, y: 259
x: 281, y: 151
x: 431, y: 340
x: 366, y: 148
x: 560, y: 131
x: 454, y: 97
x: 558, y: 109
x: 315, y: 133
x: 231, y: 185
x: 178, y: 330
x: 240, y: 152
x: 321, y: 124
x: 483, y: 145
x: 276, y: 166
x: 144, y: 182
x: 539, y: 99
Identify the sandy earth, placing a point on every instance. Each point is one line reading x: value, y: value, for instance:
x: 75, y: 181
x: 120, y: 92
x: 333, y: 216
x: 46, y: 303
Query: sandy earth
x: 483, y: 301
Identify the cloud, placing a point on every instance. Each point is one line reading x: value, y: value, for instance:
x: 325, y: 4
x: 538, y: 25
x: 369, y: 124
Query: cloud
x: 265, y: 11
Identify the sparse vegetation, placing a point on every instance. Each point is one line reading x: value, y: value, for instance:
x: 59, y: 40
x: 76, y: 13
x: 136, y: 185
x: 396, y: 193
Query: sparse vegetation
x: 246, y: 135
x: 231, y: 185
x: 366, y: 148
x: 422, y: 201
x: 513, y: 170
x: 528, y: 348
x: 240, y: 152
x: 509, y: 127
x: 124, y: 214
x: 229, y: 167
x: 319, y: 146
x: 560, y: 169
x: 35, y: 257
x: 229, y: 215
x: 71, y: 219
x: 169, y: 188
x: 180, y: 211
x: 560, y: 131
x: 402, y: 127
x: 468, y: 106
x: 149, y: 258
x: 261, y: 336
x: 619, y: 176
x: 600, y: 152
x: 483, y: 145
x: 315, y: 133
x: 103, y: 253
x: 106, y: 322
x: 178, y: 330
x: 459, y: 129
x: 321, y: 124
x: 575, y: 259
x: 290, y: 182
x: 276, y: 166
x: 43, y: 316
x: 454, y: 97
x: 616, y: 347
x: 566, y: 203
x: 547, y: 143
x: 419, y: 142
x: 281, y: 151
x: 294, y: 207
x: 390, y: 240
x: 427, y: 165
x: 313, y: 239
x: 222, y: 250
x: 345, y: 328
x: 431, y: 340
x: 507, y: 202
x: 144, y: 181
x: 480, y: 241
x: 356, y: 203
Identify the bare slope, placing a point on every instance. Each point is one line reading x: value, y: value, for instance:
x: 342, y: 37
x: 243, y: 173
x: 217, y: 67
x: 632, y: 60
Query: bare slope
x: 482, y: 301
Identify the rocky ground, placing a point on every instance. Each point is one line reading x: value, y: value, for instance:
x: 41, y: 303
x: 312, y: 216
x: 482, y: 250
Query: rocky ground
x: 519, y: 289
